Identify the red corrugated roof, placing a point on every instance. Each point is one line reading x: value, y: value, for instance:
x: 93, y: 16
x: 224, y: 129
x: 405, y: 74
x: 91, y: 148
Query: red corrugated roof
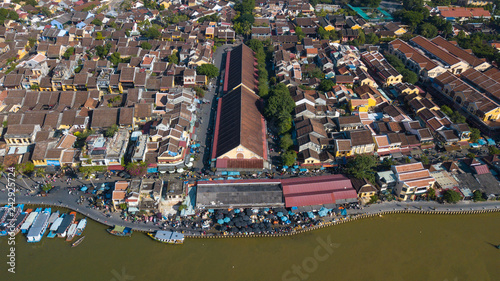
x: 317, y: 190
x: 116, y: 168
x: 482, y: 169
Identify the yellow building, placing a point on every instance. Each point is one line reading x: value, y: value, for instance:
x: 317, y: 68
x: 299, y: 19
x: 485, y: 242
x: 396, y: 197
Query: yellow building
x: 343, y: 148
x: 362, y: 105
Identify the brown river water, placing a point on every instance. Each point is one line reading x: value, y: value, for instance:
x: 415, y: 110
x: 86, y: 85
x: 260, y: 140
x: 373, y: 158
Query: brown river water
x: 393, y: 247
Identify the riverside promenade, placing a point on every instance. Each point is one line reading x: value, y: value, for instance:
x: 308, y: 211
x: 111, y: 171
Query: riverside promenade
x: 65, y: 200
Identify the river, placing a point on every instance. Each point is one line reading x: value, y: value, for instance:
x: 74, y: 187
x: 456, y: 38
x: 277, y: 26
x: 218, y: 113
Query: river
x: 394, y: 247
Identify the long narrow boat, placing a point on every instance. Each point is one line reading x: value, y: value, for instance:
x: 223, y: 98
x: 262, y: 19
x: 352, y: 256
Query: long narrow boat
x: 20, y: 220
x: 4, y: 211
x: 10, y: 222
x: 65, y: 224
x: 71, y: 232
x: 81, y: 226
x: 31, y: 218
x: 77, y: 242
x: 168, y: 237
x: 55, y: 226
x: 120, y: 231
x: 39, y: 227
x: 53, y: 217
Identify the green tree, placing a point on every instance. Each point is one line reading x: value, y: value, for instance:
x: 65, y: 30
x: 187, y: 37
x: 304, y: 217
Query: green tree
x: 425, y: 160
x: 47, y: 187
x: 431, y: 194
x: 446, y: 110
x: 208, y: 69
x: 284, y: 122
x: 372, y: 38
x: 326, y: 85
x: 412, y: 18
x: 33, y: 3
x: 361, y: 37
x: 97, y: 22
x: 493, y: 150
x: 115, y: 59
x: 387, y: 163
x: 412, y: 4
x: 146, y: 46
x: 409, y: 76
x: 286, y: 142
x: 280, y: 101
x: 373, y: 199
x: 173, y: 58
x: 69, y: 52
x: 99, y: 36
x: 323, y: 34
x: 151, y: 33
x: 263, y: 87
x: 103, y: 51
x: 300, y: 34
x: 28, y: 168
x: 478, y: 196
x: 111, y: 131
x: 428, y: 30
x: 362, y: 166
x: 289, y: 157
x: 451, y: 196
x: 471, y: 155
x: 394, y: 61
x: 45, y: 11
x: 475, y: 134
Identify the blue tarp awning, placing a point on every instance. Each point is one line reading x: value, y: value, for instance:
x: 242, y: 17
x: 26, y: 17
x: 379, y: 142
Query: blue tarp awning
x: 84, y: 188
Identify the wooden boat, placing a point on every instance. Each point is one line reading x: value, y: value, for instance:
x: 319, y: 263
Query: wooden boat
x: 81, y: 226
x: 168, y: 237
x: 77, y: 242
x: 71, y: 232
x: 120, y: 231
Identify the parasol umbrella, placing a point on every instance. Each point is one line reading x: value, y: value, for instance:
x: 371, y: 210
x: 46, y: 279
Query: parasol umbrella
x: 283, y: 218
x: 279, y: 214
x: 291, y: 213
x: 226, y: 219
x: 237, y: 211
x: 248, y: 212
x: 231, y: 223
x: 210, y: 210
x: 266, y: 209
x: 220, y: 221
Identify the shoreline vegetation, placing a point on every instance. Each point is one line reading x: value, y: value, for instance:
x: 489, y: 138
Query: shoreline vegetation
x: 347, y: 219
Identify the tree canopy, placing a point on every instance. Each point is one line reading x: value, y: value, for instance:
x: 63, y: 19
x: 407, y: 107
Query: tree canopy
x: 326, y: 85
x: 151, y: 33
x: 289, y: 157
x: 69, y: 52
x: 146, y: 46
x: 362, y: 166
x: 451, y: 196
x: 210, y: 70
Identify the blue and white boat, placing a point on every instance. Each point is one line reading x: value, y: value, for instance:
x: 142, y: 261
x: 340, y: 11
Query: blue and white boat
x: 31, y: 218
x: 10, y: 221
x: 39, y: 226
x: 81, y: 226
x: 55, y: 226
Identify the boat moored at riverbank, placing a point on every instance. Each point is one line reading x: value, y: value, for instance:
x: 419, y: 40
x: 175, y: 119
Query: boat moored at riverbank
x: 29, y: 221
x: 168, y: 237
x: 81, y: 226
x: 68, y: 220
x: 71, y: 232
x: 39, y: 226
x: 11, y: 220
x: 55, y: 226
x: 120, y: 231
